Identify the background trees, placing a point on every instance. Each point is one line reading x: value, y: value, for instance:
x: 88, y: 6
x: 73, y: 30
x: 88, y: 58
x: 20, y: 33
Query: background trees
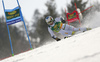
x: 80, y: 4
x: 41, y: 27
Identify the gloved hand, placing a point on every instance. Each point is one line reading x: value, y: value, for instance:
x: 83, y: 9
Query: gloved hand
x: 57, y: 39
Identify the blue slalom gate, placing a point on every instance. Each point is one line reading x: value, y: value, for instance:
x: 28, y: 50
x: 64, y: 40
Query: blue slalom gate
x: 13, y: 16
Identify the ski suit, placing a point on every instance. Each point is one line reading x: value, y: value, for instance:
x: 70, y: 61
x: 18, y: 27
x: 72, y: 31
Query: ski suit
x: 65, y: 29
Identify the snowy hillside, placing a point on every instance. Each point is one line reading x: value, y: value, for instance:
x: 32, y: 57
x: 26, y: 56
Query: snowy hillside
x: 83, y: 47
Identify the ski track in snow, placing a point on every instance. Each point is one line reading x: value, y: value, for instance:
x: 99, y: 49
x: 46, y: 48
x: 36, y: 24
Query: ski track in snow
x: 88, y: 56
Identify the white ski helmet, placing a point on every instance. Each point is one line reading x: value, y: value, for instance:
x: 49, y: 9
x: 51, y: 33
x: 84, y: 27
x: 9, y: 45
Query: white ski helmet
x: 49, y: 20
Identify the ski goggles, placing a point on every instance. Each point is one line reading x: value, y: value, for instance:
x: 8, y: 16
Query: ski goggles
x: 51, y: 21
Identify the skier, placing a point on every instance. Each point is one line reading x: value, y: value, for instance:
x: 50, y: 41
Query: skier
x: 58, y: 25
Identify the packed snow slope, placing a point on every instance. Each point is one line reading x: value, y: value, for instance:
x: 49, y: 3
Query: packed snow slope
x: 83, y: 47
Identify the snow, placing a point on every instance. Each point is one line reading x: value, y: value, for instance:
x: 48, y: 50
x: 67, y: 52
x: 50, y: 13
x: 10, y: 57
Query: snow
x: 83, y: 47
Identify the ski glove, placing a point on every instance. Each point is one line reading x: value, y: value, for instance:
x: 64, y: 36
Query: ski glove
x: 57, y: 39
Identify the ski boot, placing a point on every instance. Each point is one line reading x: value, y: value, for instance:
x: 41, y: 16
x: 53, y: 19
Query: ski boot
x: 73, y: 32
x: 65, y: 37
x: 87, y: 29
